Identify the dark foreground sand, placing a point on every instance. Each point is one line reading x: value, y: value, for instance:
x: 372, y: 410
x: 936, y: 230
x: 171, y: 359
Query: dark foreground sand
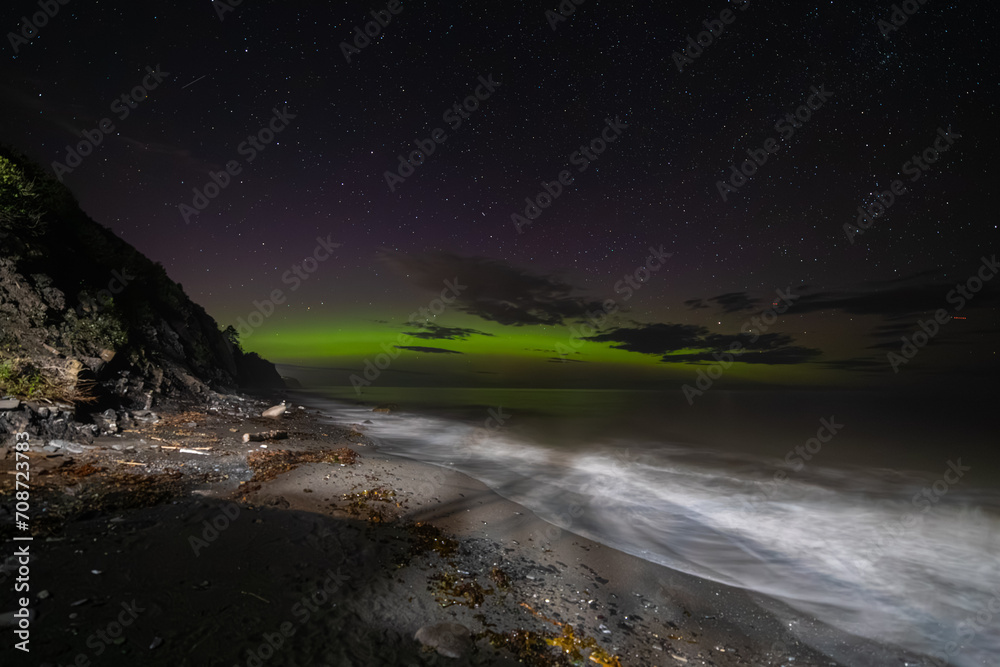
x: 335, y: 564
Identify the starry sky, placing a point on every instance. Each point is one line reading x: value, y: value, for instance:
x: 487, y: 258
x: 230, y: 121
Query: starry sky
x: 650, y: 262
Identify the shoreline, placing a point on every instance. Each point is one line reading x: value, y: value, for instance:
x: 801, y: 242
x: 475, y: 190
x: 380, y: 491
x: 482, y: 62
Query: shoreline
x: 232, y: 547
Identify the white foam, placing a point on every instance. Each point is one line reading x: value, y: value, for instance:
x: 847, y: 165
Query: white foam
x: 850, y: 548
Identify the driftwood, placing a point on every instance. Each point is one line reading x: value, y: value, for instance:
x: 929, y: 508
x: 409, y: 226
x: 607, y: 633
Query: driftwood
x: 266, y: 435
x: 275, y: 411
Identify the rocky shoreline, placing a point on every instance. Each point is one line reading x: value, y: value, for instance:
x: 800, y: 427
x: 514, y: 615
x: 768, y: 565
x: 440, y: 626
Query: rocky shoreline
x: 173, y: 541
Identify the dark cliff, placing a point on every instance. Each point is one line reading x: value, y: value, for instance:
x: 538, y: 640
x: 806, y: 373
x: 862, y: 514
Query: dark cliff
x: 87, y: 320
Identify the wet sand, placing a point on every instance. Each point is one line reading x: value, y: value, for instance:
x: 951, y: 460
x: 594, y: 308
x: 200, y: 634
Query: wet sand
x: 327, y: 563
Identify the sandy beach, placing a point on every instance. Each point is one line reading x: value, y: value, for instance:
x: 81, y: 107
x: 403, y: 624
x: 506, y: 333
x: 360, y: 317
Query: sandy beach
x: 320, y: 550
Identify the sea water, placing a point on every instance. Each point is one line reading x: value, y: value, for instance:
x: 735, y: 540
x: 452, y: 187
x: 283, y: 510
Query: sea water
x: 878, y: 515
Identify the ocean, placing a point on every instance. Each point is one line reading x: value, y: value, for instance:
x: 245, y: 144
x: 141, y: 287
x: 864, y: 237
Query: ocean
x: 878, y: 515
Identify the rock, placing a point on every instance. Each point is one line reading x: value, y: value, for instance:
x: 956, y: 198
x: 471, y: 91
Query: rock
x: 10, y: 404
x: 267, y: 435
x: 71, y: 447
x: 451, y: 640
x: 252, y: 371
x: 125, y: 420
x: 106, y: 421
x: 385, y: 407
x: 39, y: 409
x: 9, y: 620
x: 146, y: 416
x: 275, y: 411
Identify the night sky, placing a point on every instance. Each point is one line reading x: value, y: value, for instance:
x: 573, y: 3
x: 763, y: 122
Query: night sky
x: 606, y: 99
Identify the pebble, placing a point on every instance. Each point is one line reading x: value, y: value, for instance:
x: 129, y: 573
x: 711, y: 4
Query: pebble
x: 8, y: 620
x: 451, y: 640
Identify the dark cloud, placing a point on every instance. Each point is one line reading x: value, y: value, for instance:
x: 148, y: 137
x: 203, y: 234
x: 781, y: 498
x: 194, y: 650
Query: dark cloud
x: 949, y: 333
x: 760, y: 342
x: 887, y: 345
x: 433, y: 331
x: 734, y: 302
x: 494, y: 290
x: 893, y: 300
x: 654, y: 338
x: 666, y: 339
x: 785, y: 355
x: 730, y: 302
x: 432, y: 350
x: 858, y: 364
x: 893, y: 329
